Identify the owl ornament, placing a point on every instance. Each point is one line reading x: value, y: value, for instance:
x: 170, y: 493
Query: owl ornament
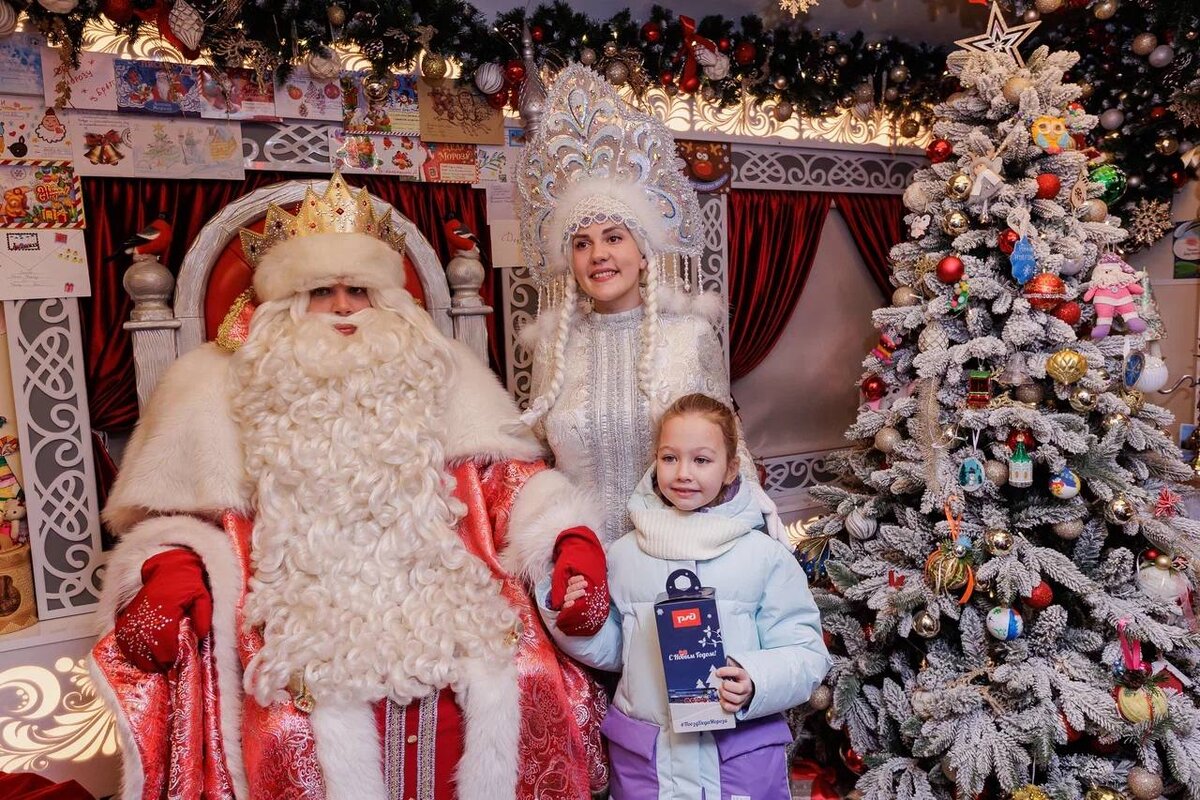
x: 1051, y: 134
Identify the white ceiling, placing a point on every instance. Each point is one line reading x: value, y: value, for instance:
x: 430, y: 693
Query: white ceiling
x: 934, y: 21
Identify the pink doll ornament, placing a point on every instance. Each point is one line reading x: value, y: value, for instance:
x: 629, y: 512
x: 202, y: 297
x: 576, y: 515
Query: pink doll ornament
x: 1112, y: 290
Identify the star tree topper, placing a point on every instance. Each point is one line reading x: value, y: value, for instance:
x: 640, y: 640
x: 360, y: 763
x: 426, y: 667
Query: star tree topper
x: 999, y: 37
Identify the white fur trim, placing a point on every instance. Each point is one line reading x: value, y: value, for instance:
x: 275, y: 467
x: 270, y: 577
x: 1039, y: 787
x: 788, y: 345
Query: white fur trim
x: 706, y: 305
x: 185, y: 452
x: 349, y: 751
x: 489, y: 697
x: 123, y: 580
x: 630, y: 195
x: 133, y: 779
x: 547, y: 505
x: 322, y: 259
x: 481, y: 418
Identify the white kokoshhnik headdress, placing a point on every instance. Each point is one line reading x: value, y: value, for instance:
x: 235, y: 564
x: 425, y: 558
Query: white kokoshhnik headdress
x: 594, y: 159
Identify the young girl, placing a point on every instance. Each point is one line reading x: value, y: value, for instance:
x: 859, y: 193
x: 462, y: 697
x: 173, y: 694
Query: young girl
x: 692, y: 511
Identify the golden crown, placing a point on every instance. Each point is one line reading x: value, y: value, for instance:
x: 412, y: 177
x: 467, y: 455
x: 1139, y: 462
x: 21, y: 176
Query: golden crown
x: 339, y: 210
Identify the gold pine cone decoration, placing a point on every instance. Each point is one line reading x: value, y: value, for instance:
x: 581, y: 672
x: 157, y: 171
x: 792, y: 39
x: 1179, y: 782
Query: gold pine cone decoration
x: 1067, y: 366
x: 1029, y: 792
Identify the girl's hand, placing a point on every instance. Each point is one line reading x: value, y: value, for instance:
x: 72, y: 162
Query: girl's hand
x: 736, y: 687
x: 576, y: 588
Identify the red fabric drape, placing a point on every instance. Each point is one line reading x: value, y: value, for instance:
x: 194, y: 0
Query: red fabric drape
x: 876, y: 223
x: 119, y: 207
x: 773, y: 239
x: 28, y: 786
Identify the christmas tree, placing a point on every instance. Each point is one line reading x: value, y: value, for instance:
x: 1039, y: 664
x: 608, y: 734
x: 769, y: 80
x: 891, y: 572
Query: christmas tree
x: 1005, y: 578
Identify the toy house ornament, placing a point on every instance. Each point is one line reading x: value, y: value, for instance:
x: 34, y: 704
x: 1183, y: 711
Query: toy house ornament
x: 979, y: 387
x: 1020, y: 468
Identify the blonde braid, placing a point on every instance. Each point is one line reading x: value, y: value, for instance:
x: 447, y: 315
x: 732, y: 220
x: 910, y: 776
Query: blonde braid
x: 646, y: 368
x: 540, y: 406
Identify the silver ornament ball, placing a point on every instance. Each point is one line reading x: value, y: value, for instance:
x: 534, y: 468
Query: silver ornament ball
x: 926, y: 625
x: 587, y: 56
x: 1030, y: 393
x: 1112, y: 119
x: 996, y: 472
x: 617, y: 73
x: 1161, y: 56
x: 1070, y: 530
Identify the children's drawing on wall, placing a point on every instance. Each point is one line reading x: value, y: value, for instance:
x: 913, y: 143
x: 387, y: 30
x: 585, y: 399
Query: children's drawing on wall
x: 1187, y: 249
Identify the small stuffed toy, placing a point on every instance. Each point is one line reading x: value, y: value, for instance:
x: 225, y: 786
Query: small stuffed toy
x: 1112, y: 289
x: 12, y: 534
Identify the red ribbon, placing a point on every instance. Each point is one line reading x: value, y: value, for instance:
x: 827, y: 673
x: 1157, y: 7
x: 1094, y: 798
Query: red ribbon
x: 895, y: 580
x: 692, y: 40
x: 1131, y: 649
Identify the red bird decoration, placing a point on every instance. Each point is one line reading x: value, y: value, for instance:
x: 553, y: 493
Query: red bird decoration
x: 462, y: 239
x: 154, y: 239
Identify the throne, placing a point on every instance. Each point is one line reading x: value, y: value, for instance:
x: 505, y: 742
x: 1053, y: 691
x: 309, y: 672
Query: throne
x: 215, y: 272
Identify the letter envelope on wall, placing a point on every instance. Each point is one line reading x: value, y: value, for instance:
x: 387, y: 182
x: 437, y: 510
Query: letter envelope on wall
x: 689, y: 638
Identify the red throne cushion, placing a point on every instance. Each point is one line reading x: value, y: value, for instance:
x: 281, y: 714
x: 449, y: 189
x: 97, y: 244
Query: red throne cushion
x: 231, y: 275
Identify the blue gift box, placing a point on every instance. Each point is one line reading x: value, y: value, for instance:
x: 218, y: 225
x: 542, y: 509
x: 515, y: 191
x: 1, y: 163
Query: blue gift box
x: 689, y: 639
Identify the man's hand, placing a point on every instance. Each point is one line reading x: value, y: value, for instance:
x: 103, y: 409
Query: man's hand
x: 173, y: 587
x: 581, y: 570
x: 736, y: 687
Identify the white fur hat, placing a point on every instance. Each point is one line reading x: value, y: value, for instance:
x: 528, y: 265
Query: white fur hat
x: 323, y: 259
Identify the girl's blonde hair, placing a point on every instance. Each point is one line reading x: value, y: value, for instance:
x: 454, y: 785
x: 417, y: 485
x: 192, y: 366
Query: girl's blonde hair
x: 711, y: 409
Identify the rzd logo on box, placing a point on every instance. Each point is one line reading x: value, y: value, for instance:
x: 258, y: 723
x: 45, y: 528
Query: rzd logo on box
x: 685, y: 618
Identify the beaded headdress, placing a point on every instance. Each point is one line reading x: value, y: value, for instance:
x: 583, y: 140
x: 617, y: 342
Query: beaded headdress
x: 594, y: 159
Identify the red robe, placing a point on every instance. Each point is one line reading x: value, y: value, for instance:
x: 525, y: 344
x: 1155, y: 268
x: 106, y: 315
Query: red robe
x: 178, y: 729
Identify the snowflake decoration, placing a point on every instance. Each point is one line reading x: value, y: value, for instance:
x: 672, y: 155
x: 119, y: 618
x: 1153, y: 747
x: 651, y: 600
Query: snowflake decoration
x: 796, y: 7
x: 1149, y: 221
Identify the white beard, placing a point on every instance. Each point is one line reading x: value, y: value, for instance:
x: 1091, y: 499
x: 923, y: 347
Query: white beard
x: 360, y: 581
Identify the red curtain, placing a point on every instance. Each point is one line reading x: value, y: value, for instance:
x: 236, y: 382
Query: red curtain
x: 876, y: 223
x: 773, y: 239
x: 119, y: 207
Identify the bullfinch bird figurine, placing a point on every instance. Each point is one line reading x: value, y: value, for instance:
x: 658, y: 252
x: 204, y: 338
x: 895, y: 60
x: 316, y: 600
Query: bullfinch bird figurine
x: 154, y: 239
x: 462, y: 239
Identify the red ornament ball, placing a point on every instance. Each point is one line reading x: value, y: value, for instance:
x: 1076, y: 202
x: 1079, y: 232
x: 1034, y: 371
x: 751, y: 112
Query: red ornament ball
x: 1069, y: 312
x: 537, y: 33
x: 666, y: 77
x: 1048, y: 185
x: 950, y: 269
x: 853, y: 761
x: 1045, y: 291
x: 498, y: 100
x: 1150, y: 554
x: 939, y: 150
x: 119, y: 11
x: 724, y: 44
x: 874, y: 387
x: 1080, y: 140
x: 745, y: 53
x: 690, y: 84
x: 514, y: 71
x: 1157, y: 112
x: 1179, y: 178
x: 652, y: 32
x: 1007, y: 240
x: 1041, y: 596
x: 1072, y: 734
x: 1020, y: 435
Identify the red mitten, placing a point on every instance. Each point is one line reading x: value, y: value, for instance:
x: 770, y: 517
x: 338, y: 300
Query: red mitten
x: 578, y: 552
x: 173, y: 587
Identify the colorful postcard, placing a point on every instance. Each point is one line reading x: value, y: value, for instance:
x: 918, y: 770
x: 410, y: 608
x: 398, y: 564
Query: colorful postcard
x: 456, y: 112
x: 514, y: 137
x: 495, y: 163
x: 1186, y: 247
x: 120, y: 145
x: 395, y: 112
x: 708, y: 165
x: 386, y: 154
x: 93, y: 87
x: 40, y: 264
x: 450, y: 163
x: 301, y: 96
x: 40, y: 196
x: 236, y: 94
x: 158, y: 87
x: 21, y: 63
x: 30, y: 131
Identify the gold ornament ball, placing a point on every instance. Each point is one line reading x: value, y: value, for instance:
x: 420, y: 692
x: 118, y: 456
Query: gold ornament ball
x: 1113, y: 420
x: 909, y: 128
x: 610, y: 49
x: 1067, y: 366
x: 1144, y: 784
x: 782, y: 111
x: 1144, y: 43
x: 926, y: 625
x: 1031, y: 15
x: 1119, y: 510
x: 617, y: 73
x: 434, y: 66
x: 587, y: 56
x: 1048, y: 6
x: 1030, y: 393
x: 996, y: 472
x: 336, y: 15
x: 1103, y: 793
x: 886, y: 439
x: 1094, y: 210
x: 1029, y: 792
x: 1013, y: 87
x: 1070, y: 530
x: 999, y: 542
x: 1105, y: 9
x: 1083, y: 399
x: 906, y: 296
x: 1135, y: 400
x: 955, y: 223
x: 830, y: 716
x: 821, y: 698
x: 959, y: 185
x: 1163, y: 561
x: 1086, y: 90
x: 1167, y: 145
x: 780, y: 82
